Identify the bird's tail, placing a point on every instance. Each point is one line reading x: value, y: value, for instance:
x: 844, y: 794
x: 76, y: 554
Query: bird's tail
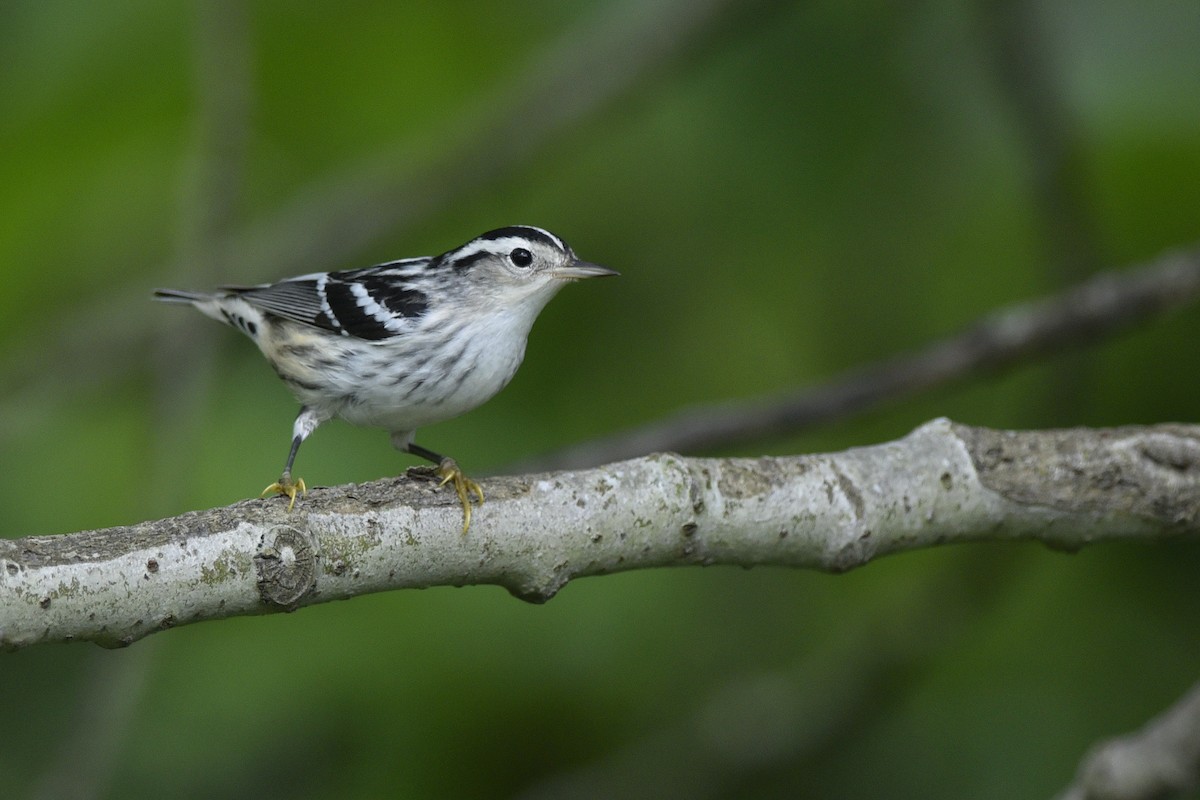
x: 223, y: 305
x: 181, y: 296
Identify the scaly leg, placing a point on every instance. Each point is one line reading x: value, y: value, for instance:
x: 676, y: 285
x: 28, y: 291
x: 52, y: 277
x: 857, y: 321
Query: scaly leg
x: 449, y: 472
x: 306, y: 422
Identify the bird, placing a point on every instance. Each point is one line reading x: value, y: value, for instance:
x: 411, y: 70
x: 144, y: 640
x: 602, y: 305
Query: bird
x: 403, y: 344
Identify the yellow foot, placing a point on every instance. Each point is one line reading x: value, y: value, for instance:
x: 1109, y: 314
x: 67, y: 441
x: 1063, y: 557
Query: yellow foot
x: 286, y: 486
x: 464, y: 487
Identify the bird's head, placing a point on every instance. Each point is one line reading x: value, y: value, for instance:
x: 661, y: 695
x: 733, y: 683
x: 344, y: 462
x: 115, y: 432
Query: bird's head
x: 518, y: 265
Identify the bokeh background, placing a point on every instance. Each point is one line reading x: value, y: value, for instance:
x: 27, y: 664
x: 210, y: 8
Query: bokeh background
x: 789, y: 189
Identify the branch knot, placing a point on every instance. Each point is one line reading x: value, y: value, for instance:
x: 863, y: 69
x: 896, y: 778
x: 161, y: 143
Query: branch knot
x: 286, y: 566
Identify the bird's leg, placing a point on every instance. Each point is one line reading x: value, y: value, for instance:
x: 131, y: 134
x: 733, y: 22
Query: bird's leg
x: 306, y: 422
x: 448, y: 470
x: 286, y: 485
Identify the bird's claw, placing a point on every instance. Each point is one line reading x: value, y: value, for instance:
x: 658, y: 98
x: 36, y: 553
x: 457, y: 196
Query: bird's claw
x: 286, y: 486
x: 464, y: 487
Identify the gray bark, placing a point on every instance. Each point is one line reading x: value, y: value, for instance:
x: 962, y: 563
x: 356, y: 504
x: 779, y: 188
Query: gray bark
x: 943, y: 483
x: 1160, y: 760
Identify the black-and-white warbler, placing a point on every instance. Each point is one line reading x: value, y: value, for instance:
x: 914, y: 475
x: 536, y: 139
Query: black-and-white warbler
x: 404, y: 344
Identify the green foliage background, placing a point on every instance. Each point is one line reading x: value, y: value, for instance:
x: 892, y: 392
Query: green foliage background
x: 802, y: 188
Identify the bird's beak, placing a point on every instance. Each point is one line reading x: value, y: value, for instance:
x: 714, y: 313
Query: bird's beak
x: 583, y: 269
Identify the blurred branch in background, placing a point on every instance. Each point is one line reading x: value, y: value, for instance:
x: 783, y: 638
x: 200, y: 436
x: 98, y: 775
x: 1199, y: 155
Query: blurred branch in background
x: 606, y: 57
x: 943, y: 483
x: 81, y: 760
x: 578, y: 77
x: 1027, y: 75
x: 1160, y: 760
x: 1083, y: 314
x: 789, y: 719
x: 82, y: 764
x: 212, y: 185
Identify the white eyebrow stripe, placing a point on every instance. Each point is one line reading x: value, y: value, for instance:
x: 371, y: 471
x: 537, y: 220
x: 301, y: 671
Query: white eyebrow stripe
x: 471, y: 248
x: 501, y: 246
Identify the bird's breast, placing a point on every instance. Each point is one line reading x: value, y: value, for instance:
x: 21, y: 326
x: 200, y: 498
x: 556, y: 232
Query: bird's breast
x: 409, y: 381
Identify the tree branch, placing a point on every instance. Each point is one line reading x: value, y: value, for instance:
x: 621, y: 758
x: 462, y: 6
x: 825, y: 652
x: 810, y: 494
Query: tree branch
x: 1098, y: 307
x: 1161, y: 759
x: 943, y: 483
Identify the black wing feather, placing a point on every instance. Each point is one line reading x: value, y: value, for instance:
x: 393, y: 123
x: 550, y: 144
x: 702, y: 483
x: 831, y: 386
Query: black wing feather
x: 336, y: 307
x: 297, y: 300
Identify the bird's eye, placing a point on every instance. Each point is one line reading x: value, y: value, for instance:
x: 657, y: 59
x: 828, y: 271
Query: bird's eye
x: 521, y: 257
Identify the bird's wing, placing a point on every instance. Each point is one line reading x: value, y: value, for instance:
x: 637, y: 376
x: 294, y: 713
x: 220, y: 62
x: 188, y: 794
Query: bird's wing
x: 297, y: 299
x: 373, y: 303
